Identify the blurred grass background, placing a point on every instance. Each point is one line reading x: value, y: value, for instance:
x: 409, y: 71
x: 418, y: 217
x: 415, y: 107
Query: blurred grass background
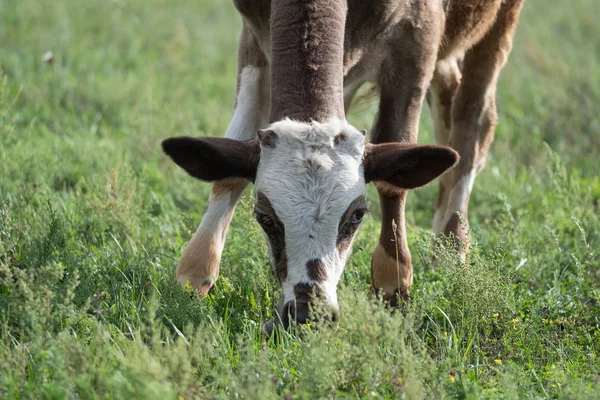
x: 94, y: 219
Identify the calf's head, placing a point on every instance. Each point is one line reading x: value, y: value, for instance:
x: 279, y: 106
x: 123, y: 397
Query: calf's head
x: 310, y: 186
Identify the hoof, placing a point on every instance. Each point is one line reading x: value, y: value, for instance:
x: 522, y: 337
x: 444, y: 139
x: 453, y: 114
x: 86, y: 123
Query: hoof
x: 391, y: 277
x: 202, y: 285
x: 393, y: 298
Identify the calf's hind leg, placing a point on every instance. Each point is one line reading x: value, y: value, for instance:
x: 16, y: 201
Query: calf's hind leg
x: 442, y: 90
x: 201, y: 258
x: 473, y: 121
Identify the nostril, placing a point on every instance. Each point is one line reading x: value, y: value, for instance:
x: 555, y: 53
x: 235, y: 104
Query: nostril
x: 335, y: 316
x: 301, y: 313
x: 332, y: 316
x: 294, y: 312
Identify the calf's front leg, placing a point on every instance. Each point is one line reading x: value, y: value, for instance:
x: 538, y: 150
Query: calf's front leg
x: 403, y: 82
x: 201, y: 257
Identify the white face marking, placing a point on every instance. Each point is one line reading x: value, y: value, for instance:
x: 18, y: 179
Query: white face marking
x: 310, y: 182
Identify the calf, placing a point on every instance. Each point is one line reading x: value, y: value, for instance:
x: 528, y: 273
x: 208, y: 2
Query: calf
x: 299, y: 65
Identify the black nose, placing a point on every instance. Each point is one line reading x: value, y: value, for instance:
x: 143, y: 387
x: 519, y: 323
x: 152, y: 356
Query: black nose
x: 300, y: 313
x: 294, y: 311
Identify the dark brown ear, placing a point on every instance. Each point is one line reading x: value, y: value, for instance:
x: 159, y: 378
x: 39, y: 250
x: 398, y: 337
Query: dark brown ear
x: 407, y: 166
x: 212, y: 159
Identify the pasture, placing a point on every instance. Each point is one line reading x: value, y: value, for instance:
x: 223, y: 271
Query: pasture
x: 93, y: 219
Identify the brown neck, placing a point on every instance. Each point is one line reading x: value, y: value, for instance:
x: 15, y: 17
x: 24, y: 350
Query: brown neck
x: 307, y: 50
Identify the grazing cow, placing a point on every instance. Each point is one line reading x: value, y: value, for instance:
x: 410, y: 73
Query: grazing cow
x: 300, y: 62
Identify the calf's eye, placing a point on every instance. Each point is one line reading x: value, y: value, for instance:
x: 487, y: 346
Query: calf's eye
x: 357, y: 217
x: 264, y: 219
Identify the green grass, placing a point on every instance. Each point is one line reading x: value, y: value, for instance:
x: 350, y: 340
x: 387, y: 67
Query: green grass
x: 93, y: 219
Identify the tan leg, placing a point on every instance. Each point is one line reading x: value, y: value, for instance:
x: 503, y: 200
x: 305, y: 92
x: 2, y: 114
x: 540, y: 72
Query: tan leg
x: 473, y: 121
x: 201, y: 258
x: 403, y: 83
x: 391, y: 265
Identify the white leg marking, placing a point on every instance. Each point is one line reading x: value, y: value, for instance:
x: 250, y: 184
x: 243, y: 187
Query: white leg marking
x: 201, y: 258
x: 458, y: 198
x: 252, y: 104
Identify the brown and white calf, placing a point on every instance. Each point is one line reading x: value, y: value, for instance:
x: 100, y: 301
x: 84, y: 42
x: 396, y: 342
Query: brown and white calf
x: 300, y: 62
